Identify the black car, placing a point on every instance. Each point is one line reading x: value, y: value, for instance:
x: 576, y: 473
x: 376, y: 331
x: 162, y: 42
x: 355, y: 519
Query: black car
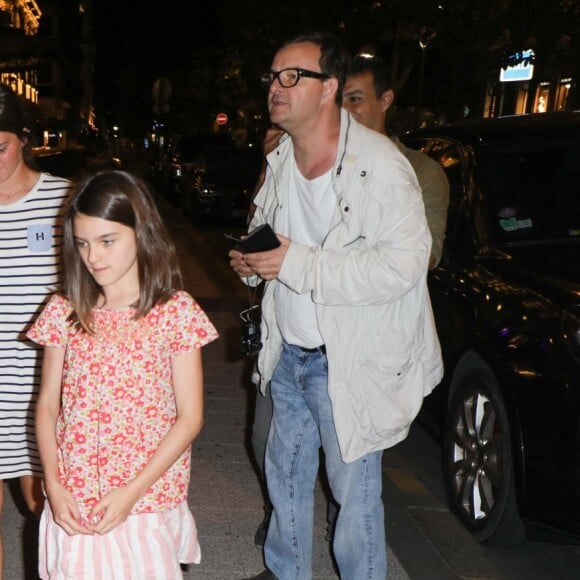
x: 223, y: 182
x: 73, y: 163
x: 506, y: 298
x: 176, y: 169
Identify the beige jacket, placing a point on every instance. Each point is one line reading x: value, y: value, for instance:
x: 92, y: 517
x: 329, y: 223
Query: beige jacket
x: 368, y: 281
x: 435, y: 191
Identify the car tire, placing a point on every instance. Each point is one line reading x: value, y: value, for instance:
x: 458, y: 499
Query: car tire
x: 478, y: 461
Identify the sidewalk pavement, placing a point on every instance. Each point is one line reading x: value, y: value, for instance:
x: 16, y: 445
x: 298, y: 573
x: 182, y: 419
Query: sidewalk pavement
x: 225, y: 495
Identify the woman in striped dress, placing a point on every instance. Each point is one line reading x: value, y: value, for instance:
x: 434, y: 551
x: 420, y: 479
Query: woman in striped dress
x: 30, y: 236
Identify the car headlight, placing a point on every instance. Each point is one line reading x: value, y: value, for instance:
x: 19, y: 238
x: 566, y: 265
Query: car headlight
x: 571, y: 328
x: 208, y: 192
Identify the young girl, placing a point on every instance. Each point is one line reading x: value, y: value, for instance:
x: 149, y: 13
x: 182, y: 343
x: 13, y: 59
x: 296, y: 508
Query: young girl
x: 121, y: 393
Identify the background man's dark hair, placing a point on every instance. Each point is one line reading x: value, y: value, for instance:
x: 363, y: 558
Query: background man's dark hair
x: 333, y: 56
x: 376, y: 66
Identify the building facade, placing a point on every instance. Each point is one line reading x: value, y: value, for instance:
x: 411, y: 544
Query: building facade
x: 47, y: 55
x: 526, y: 83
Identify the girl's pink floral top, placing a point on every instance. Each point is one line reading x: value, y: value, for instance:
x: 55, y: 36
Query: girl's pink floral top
x: 117, y: 396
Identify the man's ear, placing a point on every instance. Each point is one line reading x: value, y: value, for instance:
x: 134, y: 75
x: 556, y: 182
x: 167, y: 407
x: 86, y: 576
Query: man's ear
x: 387, y: 99
x: 330, y: 88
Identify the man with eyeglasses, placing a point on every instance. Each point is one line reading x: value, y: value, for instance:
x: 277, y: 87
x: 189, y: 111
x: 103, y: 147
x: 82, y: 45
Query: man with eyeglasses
x: 350, y: 347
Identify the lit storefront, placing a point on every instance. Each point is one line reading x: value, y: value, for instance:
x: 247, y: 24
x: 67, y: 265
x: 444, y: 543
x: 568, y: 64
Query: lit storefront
x: 520, y: 89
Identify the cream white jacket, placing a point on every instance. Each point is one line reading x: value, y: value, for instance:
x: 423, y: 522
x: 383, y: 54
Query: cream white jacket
x: 368, y: 281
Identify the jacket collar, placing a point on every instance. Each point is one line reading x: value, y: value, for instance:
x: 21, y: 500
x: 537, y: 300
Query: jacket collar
x: 345, y: 150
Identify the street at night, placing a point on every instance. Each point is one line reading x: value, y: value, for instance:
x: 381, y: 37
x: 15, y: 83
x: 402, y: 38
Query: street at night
x: 411, y: 168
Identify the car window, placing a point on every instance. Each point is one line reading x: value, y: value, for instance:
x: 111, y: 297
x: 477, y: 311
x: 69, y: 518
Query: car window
x: 448, y: 155
x: 188, y: 146
x: 534, y: 191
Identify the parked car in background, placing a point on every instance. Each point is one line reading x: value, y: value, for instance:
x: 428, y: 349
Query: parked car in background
x: 75, y: 162
x: 177, y: 168
x: 506, y: 298
x: 223, y: 183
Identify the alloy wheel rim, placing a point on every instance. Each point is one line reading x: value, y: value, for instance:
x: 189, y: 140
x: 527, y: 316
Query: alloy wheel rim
x: 476, y: 457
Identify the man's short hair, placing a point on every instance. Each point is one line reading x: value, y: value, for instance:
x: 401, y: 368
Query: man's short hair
x: 333, y: 56
x: 376, y: 66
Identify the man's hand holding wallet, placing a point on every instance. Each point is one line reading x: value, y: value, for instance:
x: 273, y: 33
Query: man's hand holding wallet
x: 252, y: 254
x: 260, y: 239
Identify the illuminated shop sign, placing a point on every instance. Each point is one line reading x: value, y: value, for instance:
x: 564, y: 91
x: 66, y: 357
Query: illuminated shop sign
x: 519, y: 67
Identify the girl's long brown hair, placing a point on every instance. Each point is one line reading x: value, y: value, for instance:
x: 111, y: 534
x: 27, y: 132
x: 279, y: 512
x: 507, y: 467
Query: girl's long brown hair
x: 120, y: 197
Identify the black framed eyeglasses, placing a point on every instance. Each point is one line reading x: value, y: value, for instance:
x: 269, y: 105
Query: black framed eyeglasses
x: 289, y: 77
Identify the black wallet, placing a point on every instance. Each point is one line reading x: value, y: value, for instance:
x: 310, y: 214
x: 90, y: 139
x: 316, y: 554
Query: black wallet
x: 260, y: 239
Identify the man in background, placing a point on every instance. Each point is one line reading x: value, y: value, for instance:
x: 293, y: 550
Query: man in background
x: 368, y: 96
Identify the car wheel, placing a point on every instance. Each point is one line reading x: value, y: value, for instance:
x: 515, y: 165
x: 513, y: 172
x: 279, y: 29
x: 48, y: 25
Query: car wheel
x: 478, y: 467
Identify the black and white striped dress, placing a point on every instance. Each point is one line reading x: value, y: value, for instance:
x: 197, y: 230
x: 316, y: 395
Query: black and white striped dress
x: 30, y: 239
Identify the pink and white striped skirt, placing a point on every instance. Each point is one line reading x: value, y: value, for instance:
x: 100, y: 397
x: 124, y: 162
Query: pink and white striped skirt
x: 144, y: 547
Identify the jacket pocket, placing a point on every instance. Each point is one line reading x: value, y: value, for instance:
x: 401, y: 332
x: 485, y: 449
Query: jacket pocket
x: 393, y: 392
x: 396, y: 365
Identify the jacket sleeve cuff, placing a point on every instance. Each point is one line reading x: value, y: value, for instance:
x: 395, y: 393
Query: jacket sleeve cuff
x: 296, y: 271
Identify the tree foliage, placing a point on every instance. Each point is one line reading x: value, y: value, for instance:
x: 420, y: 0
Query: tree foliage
x: 461, y: 41
x: 441, y: 52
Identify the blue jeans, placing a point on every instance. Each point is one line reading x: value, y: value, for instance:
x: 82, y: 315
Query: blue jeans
x: 301, y: 423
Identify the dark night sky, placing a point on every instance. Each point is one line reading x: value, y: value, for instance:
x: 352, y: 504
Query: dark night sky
x: 147, y: 39
x: 155, y: 27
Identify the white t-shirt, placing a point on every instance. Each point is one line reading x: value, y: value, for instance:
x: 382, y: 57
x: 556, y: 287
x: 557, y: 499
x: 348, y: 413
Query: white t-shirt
x: 311, y: 205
